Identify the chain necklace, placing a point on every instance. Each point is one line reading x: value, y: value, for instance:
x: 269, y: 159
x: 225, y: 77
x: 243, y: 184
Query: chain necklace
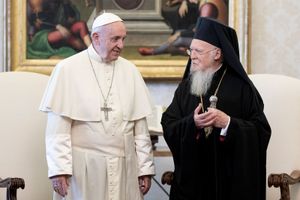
x: 105, y: 108
x: 208, y: 130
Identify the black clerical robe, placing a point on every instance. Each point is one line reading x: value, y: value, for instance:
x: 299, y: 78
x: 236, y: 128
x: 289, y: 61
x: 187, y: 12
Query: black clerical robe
x: 213, y: 168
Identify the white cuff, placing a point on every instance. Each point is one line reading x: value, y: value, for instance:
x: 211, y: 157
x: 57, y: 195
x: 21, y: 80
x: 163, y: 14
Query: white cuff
x: 224, y: 130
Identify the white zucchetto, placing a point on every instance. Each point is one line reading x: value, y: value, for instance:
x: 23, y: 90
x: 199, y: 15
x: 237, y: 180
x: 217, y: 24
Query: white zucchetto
x: 105, y: 18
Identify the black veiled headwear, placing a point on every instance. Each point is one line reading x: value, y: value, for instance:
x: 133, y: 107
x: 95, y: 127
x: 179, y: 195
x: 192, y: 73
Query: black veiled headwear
x: 223, y: 37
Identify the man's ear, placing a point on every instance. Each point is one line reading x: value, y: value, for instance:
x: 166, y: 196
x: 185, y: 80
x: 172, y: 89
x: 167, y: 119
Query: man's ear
x: 218, y: 54
x: 96, y: 37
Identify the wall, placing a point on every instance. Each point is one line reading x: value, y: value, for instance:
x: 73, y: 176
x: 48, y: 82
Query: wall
x: 275, y: 34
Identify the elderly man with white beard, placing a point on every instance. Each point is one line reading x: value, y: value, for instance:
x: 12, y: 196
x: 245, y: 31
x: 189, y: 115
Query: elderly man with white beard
x: 215, y: 126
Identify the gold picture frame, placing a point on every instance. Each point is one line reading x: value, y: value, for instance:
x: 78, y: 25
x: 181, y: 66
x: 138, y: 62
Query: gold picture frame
x: 150, y: 69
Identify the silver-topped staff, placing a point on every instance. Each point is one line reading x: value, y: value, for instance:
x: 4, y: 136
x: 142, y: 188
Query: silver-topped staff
x: 213, y: 104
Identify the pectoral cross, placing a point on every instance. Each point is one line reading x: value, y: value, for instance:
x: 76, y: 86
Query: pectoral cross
x: 106, y: 109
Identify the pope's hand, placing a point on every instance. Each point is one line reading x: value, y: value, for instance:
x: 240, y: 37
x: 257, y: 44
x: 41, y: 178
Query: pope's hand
x: 144, y: 183
x: 60, y: 184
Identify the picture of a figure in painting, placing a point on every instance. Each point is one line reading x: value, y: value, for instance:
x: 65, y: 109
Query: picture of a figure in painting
x: 55, y: 29
x: 181, y: 16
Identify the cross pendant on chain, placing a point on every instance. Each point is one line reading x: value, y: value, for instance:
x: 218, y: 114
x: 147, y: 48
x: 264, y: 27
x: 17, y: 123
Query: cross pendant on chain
x: 106, y: 110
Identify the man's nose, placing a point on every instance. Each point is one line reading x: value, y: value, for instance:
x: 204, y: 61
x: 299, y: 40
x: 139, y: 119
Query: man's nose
x: 193, y: 55
x: 121, y: 44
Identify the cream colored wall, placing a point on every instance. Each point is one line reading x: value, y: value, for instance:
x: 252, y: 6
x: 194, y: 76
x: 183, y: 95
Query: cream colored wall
x: 275, y: 33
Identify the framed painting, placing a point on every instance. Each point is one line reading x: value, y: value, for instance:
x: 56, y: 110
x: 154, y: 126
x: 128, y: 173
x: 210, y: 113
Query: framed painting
x: 32, y: 51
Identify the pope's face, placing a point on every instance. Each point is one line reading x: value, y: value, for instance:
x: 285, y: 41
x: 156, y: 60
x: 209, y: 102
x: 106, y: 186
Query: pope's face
x: 109, y: 42
x: 203, y: 55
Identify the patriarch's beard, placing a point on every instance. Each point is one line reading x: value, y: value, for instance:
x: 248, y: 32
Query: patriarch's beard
x: 201, y: 81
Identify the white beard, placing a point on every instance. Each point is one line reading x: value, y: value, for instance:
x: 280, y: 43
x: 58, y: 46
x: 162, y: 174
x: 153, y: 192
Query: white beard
x: 201, y: 81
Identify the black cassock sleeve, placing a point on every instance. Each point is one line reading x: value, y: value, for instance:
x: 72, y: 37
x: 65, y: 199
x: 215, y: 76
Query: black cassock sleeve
x: 180, y: 134
x: 178, y: 123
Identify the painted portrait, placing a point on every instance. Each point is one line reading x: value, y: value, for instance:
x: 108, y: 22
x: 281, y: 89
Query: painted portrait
x: 158, y: 31
x: 55, y: 29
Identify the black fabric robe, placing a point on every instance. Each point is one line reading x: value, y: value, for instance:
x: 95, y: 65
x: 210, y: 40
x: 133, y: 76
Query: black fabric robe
x: 212, y: 169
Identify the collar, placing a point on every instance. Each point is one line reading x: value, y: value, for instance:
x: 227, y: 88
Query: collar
x: 93, y: 54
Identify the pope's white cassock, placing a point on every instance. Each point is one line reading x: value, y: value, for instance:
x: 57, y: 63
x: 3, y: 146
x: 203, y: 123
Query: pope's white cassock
x: 104, y: 156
